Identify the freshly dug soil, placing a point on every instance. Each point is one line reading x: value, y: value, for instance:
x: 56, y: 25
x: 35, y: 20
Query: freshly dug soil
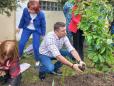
x: 78, y: 80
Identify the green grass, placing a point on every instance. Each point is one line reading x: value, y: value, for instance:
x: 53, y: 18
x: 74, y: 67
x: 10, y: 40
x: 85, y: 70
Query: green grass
x: 31, y: 75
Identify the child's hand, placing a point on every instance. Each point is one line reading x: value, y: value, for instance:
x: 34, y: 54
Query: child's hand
x: 17, y: 30
x: 2, y: 73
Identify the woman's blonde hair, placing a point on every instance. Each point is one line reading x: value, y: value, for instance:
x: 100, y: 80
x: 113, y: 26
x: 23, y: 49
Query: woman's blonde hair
x: 8, y: 51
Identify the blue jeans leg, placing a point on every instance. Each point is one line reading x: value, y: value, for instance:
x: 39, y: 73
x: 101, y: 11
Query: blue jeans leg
x: 47, y: 65
x: 24, y: 38
x: 36, y: 44
x: 64, y: 53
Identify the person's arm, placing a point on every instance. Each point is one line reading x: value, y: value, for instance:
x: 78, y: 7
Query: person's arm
x: 76, y: 55
x: 22, y: 21
x: 67, y: 7
x: 43, y: 24
x: 14, y: 69
x: 64, y: 60
x: 68, y: 63
x: 73, y: 51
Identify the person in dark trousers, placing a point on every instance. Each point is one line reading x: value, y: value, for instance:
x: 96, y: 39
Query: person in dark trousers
x: 9, y: 63
x: 78, y: 38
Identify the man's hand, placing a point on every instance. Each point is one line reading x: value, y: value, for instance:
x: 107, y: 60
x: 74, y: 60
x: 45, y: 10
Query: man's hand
x: 81, y: 63
x: 2, y: 73
x: 76, y: 67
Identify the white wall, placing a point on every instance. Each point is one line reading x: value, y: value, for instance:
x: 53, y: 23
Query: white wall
x: 7, y: 27
x: 52, y: 17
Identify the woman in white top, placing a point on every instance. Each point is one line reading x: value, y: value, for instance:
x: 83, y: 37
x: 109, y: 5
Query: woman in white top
x: 32, y: 22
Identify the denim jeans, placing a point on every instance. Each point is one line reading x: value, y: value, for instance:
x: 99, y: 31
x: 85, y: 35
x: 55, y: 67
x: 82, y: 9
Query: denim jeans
x: 48, y: 66
x: 36, y: 42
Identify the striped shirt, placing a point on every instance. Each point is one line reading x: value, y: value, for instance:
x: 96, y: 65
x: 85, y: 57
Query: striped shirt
x: 52, y: 44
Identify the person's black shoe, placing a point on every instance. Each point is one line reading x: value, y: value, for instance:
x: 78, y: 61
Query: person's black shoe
x: 42, y: 75
x: 58, y: 72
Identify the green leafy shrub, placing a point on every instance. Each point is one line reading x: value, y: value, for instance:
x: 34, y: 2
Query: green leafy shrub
x: 96, y: 15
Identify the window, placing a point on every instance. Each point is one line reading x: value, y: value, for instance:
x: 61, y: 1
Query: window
x: 50, y: 6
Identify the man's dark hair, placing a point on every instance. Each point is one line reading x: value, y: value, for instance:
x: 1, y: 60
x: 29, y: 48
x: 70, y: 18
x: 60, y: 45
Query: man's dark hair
x: 57, y: 25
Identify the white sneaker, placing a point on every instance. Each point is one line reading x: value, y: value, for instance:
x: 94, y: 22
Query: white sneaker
x: 37, y: 63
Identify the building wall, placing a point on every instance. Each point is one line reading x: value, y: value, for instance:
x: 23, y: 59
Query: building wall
x: 52, y: 17
x: 7, y: 27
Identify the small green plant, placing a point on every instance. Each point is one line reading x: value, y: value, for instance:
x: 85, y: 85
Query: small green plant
x: 53, y: 83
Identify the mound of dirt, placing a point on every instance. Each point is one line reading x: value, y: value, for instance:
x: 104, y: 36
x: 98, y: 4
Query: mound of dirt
x: 90, y: 80
x: 78, y: 80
